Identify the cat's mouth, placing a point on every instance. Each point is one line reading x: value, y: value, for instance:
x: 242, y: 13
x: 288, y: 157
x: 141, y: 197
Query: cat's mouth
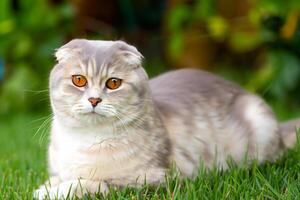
x: 90, y: 112
x: 93, y: 113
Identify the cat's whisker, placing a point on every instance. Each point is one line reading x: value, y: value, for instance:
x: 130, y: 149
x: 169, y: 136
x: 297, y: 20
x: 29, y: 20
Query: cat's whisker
x: 37, y: 91
x: 133, y: 119
x: 45, y: 100
x: 40, y: 127
x: 110, y: 109
x: 123, y: 125
x: 44, y: 127
x: 44, y: 133
x: 41, y: 118
x: 129, y: 124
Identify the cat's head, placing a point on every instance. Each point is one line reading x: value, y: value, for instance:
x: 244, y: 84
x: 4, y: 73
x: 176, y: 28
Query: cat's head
x: 97, y: 80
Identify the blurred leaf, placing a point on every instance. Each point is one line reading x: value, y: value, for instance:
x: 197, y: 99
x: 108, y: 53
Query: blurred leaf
x: 218, y: 27
x: 14, y: 89
x: 23, y: 46
x: 254, y: 17
x: 204, y: 9
x: 244, y: 41
x: 261, y: 77
x: 287, y: 72
x: 178, y: 16
x: 4, y: 9
x: 272, y: 7
x: 175, y: 45
x: 178, y: 19
x: 6, y: 26
x: 294, y: 5
x: 279, y: 75
x: 289, y: 28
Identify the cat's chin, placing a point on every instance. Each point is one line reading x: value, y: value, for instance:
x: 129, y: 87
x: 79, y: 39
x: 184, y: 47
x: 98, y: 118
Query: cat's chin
x: 88, y: 119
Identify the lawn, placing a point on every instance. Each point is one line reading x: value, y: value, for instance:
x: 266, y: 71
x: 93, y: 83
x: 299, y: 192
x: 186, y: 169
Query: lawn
x: 23, y: 168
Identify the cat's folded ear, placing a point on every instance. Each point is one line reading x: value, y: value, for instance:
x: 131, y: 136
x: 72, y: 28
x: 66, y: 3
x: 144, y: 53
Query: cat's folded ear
x: 69, y: 50
x: 128, y: 54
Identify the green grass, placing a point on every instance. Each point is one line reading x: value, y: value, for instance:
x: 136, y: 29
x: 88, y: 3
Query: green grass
x: 23, y: 168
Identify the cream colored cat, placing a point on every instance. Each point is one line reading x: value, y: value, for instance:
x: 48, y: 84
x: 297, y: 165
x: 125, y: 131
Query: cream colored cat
x: 114, y: 127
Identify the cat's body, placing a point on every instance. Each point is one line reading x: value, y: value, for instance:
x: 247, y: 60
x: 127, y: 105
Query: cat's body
x: 211, y: 117
x: 184, y: 116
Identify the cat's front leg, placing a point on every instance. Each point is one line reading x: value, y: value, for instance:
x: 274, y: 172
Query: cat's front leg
x: 70, y: 189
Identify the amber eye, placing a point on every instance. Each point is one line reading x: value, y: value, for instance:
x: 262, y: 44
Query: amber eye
x: 113, y: 83
x: 79, y: 80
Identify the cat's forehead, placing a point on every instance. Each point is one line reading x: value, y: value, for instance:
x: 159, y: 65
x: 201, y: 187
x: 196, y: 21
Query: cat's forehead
x: 99, y: 51
x: 94, y: 47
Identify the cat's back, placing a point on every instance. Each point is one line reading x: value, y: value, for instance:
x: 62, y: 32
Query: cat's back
x: 191, y: 86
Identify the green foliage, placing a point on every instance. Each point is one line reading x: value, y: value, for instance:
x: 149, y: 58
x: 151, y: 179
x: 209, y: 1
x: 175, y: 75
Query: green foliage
x: 29, y: 33
x: 31, y: 29
x: 267, y: 28
x: 281, y: 66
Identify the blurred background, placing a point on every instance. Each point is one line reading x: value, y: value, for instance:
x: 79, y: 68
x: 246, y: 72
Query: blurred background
x: 253, y: 42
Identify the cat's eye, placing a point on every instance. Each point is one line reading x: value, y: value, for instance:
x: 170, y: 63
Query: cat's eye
x: 113, y: 83
x: 79, y: 80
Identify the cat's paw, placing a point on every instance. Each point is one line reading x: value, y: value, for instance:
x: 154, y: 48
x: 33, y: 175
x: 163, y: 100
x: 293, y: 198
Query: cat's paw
x: 43, y: 190
x: 40, y: 194
x: 61, y: 191
x: 70, y: 189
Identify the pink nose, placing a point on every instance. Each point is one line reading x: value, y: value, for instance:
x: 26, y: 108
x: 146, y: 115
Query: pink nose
x: 94, y: 101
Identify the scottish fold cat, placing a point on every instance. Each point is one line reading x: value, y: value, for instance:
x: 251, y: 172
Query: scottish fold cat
x: 114, y: 127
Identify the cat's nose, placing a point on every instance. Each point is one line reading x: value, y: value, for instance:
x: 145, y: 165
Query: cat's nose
x: 94, y: 101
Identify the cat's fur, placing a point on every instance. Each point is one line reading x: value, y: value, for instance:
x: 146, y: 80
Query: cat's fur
x: 138, y: 130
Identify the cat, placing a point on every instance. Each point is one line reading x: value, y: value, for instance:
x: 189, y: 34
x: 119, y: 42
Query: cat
x: 112, y: 127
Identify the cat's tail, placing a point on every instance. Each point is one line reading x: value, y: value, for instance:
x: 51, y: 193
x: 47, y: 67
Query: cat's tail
x: 288, y: 132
